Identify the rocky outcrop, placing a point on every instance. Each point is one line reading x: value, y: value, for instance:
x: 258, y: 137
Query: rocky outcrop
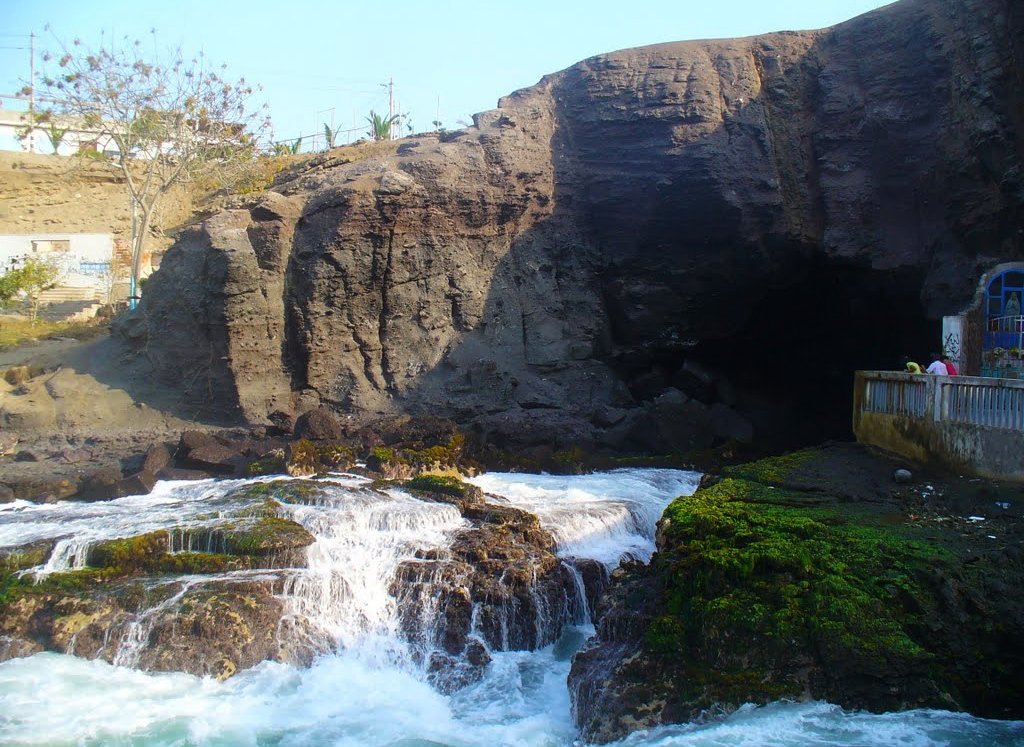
x: 134, y: 605
x: 703, y: 233
x: 813, y: 576
x: 186, y: 599
x: 499, y: 587
x: 215, y: 629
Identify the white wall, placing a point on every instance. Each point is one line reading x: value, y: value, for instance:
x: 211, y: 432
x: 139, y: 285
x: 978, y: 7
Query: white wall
x: 12, y: 124
x: 79, y: 265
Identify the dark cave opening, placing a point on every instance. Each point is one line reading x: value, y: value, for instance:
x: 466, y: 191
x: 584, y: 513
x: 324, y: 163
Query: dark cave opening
x: 789, y: 367
x: 801, y: 345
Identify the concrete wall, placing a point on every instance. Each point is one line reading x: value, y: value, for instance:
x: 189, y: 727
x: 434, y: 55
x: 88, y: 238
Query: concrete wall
x: 79, y: 265
x: 969, y: 424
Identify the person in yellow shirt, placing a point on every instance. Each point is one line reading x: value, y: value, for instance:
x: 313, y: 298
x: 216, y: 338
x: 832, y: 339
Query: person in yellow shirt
x: 910, y: 366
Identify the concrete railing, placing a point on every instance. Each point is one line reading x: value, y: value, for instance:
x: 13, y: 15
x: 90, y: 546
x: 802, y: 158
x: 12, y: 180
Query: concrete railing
x: 972, y: 424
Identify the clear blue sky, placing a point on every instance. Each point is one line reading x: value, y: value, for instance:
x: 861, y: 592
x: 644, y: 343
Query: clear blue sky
x: 322, y: 60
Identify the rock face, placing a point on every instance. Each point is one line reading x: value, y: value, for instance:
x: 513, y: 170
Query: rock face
x: 812, y: 576
x: 708, y: 232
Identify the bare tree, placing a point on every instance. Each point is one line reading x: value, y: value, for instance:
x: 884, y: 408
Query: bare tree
x: 169, y: 118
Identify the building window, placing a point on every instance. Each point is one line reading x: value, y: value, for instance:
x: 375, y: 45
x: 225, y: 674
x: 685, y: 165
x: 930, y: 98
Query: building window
x: 1005, y: 293
x: 46, y: 246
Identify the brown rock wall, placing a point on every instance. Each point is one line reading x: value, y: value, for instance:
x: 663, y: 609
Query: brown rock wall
x: 639, y: 212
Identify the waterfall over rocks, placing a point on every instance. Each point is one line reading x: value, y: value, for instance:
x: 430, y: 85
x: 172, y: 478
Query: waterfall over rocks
x: 214, y: 577
x: 411, y: 620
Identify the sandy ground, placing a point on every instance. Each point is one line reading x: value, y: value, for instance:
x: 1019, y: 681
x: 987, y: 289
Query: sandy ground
x: 90, y: 407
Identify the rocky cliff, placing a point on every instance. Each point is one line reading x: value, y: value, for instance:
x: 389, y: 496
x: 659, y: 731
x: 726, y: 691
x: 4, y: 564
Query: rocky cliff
x: 651, y: 250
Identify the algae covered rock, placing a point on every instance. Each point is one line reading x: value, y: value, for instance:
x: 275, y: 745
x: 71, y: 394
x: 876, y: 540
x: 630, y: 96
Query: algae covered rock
x: 216, y: 628
x: 160, y: 601
x: 798, y: 578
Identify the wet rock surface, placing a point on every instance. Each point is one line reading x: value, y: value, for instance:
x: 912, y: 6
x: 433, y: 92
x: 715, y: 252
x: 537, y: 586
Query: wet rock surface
x: 814, y: 575
x: 499, y: 584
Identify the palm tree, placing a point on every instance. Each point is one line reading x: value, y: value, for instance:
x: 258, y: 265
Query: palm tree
x: 380, y: 126
x: 330, y: 135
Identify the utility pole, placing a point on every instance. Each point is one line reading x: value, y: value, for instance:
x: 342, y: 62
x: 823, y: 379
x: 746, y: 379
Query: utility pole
x: 133, y: 291
x: 391, y: 109
x: 31, y: 92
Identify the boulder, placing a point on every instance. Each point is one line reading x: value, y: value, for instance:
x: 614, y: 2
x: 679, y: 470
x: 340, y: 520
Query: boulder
x: 74, y: 456
x: 20, y: 374
x: 193, y: 440
x: 283, y: 422
x: 101, y: 486
x: 301, y: 459
x: 807, y: 576
x: 726, y: 423
x: 214, y: 458
x: 318, y: 425
x: 141, y: 483
x: 108, y: 483
x: 214, y: 629
x: 175, y: 473
x: 157, y: 457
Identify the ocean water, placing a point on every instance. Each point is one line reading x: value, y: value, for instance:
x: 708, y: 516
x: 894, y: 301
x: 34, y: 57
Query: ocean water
x: 370, y: 691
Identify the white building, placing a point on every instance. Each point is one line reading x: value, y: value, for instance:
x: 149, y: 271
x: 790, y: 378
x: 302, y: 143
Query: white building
x: 12, y: 131
x: 91, y: 264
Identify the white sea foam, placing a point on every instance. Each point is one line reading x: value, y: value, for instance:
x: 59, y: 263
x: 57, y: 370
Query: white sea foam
x: 816, y: 724
x: 607, y: 516
x: 56, y: 700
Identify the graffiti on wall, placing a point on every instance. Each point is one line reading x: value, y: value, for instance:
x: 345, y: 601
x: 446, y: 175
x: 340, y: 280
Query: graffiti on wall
x: 951, y: 345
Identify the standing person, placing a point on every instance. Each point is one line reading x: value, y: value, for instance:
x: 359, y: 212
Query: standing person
x: 950, y: 368
x: 937, y: 367
x: 911, y: 367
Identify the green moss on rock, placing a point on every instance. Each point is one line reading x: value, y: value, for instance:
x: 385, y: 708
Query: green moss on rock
x: 267, y: 536
x: 443, y: 484
x: 389, y: 460
x: 197, y: 563
x: 268, y: 466
x: 336, y: 457
x: 283, y: 491
x: 772, y: 470
x: 749, y: 559
x: 129, y: 553
x: 14, y: 586
x: 303, y: 459
x: 147, y: 554
x: 25, y: 556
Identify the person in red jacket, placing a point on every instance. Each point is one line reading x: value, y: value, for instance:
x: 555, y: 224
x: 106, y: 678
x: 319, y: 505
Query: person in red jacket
x: 949, y: 365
